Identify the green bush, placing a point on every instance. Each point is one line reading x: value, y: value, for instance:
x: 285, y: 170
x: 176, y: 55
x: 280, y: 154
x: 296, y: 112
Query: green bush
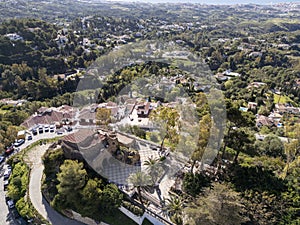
x: 18, y: 181
x: 132, y: 208
x: 24, y: 208
x: 153, y: 137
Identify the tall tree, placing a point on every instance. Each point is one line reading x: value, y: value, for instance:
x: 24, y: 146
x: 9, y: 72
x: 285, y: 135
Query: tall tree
x: 218, y: 205
x: 153, y: 167
x: 236, y: 119
x: 204, y: 132
x: 103, y: 116
x: 292, y: 150
x: 241, y: 140
x: 72, y: 178
x: 140, y: 181
x: 167, y: 120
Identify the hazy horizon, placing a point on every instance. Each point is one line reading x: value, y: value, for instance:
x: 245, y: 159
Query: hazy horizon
x: 219, y: 2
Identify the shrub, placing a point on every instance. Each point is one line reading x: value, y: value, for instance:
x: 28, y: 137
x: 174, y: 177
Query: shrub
x: 133, y: 208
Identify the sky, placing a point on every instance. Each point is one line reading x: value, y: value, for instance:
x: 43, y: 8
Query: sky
x: 226, y: 2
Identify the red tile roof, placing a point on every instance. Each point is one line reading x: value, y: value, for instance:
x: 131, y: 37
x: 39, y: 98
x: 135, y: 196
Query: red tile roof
x: 79, y: 136
x: 50, y: 116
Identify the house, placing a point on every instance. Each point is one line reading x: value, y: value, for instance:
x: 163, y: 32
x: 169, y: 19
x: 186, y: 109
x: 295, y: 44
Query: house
x: 201, y: 88
x: 275, y: 116
x: 180, y: 42
x: 14, y: 37
x: 286, y: 108
x: 87, y: 116
x: 61, y: 115
x: 86, y: 42
x: 138, y: 35
x: 99, y: 146
x: 114, y: 108
x: 59, y: 77
x: 221, y: 78
x: 283, y: 46
x: 143, y: 109
x: 256, y: 85
x: 255, y: 54
x: 231, y: 74
x: 8, y: 101
x: 264, y: 121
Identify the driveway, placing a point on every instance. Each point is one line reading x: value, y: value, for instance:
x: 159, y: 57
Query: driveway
x: 33, y: 158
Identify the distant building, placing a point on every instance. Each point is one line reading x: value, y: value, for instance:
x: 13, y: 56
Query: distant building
x: 62, y: 115
x: 14, y: 37
x: 8, y: 101
x: 286, y: 108
x: 264, y: 121
x: 143, y: 109
x: 252, y: 106
x: 255, y: 54
x: 256, y: 85
x: 231, y: 74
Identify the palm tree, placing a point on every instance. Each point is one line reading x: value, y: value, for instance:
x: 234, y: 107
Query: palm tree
x: 174, y: 207
x: 140, y: 180
x: 153, y: 167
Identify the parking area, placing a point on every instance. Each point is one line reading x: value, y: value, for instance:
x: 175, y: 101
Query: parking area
x: 27, y: 137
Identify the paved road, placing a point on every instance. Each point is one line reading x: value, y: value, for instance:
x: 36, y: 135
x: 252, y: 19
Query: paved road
x: 35, y: 194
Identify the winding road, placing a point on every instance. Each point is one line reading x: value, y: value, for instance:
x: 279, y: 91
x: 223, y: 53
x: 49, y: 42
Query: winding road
x: 35, y: 194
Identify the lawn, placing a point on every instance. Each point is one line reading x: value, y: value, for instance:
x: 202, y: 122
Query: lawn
x: 281, y: 99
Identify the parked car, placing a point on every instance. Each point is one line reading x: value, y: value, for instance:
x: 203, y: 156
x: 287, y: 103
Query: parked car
x: 6, y: 174
x: 60, y: 131
x: 153, y: 147
x: 52, y: 128
x: 2, y: 158
x: 41, y: 129
x: 34, y: 131
x: 69, y: 129
x: 46, y: 128
x: 10, y: 203
x: 19, y: 142
x: 29, y: 138
x: 9, y: 150
x: 6, y: 183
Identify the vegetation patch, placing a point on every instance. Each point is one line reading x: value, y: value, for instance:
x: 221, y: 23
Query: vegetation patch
x: 17, y: 190
x: 69, y: 185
